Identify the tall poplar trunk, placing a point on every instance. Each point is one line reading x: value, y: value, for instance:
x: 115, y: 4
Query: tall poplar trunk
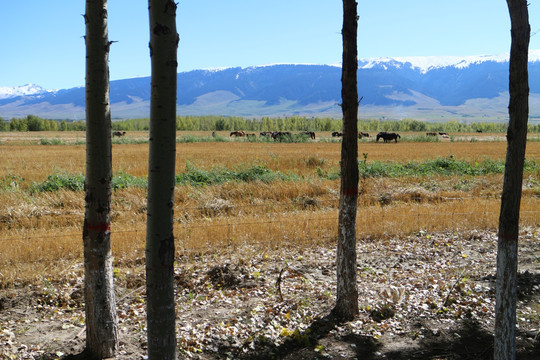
x: 101, y: 320
x: 507, y: 262
x: 347, y: 292
x: 161, y: 180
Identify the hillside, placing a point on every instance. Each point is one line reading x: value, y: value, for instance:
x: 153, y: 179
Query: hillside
x: 429, y: 88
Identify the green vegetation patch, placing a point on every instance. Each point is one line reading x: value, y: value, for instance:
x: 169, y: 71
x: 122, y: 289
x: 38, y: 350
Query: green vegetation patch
x: 59, y: 181
x: 440, y: 166
x: 10, y: 182
x: 192, y: 176
x: 124, y: 180
x: 54, y: 141
x: 198, y: 177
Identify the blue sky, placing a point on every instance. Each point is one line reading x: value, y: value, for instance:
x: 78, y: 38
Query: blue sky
x: 42, y: 42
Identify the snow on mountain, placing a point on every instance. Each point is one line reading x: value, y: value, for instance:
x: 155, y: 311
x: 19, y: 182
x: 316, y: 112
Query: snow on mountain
x: 427, y: 63
x: 449, y: 87
x: 23, y: 90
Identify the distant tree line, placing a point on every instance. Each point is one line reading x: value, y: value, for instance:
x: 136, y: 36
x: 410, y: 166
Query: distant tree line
x: 288, y: 123
x: 35, y: 123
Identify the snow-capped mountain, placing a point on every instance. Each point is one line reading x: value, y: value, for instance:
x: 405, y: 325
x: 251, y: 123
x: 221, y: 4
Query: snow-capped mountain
x: 24, y: 90
x: 430, y: 88
x: 427, y: 63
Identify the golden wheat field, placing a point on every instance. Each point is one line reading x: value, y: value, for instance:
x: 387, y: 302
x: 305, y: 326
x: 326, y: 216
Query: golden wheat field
x: 41, y: 233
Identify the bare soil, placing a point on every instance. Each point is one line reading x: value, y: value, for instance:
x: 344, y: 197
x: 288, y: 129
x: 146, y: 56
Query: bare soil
x: 425, y: 296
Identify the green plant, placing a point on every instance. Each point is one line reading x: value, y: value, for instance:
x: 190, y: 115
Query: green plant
x: 199, y: 177
x: 10, y: 182
x: 59, y: 181
x: 124, y: 180
x: 54, y: 141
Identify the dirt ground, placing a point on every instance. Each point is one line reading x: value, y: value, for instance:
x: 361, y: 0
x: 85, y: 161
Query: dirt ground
x: 425, y: 296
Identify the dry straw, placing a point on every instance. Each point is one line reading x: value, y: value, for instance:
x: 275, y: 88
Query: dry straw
x: 41, y: 233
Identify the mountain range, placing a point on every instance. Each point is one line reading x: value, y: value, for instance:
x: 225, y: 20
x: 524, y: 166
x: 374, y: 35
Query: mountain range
x: 427, y: 88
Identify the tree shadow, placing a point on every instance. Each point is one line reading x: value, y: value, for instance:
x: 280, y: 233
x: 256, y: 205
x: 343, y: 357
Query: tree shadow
x: 466, y: 341
x: 312, y: 344
x: 527, y: 285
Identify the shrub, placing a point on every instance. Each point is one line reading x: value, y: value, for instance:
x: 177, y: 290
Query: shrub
x: 59, y: 181
x: 54, y: 141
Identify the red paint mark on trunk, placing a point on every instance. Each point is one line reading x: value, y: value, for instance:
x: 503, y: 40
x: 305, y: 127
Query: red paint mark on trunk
x: 99, y: 227
x: 350, y: 191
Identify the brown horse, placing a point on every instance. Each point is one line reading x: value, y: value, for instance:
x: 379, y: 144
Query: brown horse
x: 238, y: 133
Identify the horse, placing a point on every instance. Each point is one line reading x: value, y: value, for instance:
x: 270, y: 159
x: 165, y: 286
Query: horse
x: 238, y: 133
x: 311, y: 134
x: 431, y: 134
x: 118, y: 133
x: 387, y: 136
x: 362, y: 134
x: 281, y: 135
x: 443, y: 133
x: 265, y: 133
x: 337, y: 134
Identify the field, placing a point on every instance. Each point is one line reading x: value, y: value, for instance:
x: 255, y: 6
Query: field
x: 248, y: 211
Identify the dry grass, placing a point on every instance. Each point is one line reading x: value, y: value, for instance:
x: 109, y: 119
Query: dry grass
x: 40, y: 234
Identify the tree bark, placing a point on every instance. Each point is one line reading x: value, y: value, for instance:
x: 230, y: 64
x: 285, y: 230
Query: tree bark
x: 346, y: 307
x: 161, y: 180
x: 100, y: 307
x: 507, y: 263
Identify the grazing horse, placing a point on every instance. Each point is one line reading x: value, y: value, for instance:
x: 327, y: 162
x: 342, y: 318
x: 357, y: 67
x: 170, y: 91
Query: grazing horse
x: 281, y: 135
x: 118, y: 133
x: 337, y: 134
x: 478, y: 131
x: 266, y: 133
x: 362, y: 134
x: 311, y: 134
x: 387, y: 136
x: 431, y: 134
x: 238, y: 133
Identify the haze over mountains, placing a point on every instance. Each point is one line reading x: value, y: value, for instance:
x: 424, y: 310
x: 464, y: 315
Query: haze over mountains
x: 426, y: 88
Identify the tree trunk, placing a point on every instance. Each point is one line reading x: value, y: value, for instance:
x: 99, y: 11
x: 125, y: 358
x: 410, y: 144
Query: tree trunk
x: 100, y: 307
x: 505, y: 309
x: 347, y: 293
x: 161, y: 180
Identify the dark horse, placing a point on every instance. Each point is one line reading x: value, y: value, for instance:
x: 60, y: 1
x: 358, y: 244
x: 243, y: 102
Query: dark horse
x: 387, y: 136
x: 118, y: 133
x: 311, y: 134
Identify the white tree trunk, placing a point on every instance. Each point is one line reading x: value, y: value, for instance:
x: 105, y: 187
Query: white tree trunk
x: 507, y: 261
x: 347, y: 292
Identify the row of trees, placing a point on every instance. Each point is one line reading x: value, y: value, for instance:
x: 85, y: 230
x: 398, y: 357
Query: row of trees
x: 292, y: 123
x: 35, y: 123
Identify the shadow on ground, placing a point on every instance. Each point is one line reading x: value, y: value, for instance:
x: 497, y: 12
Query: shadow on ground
x: 466, y: 341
